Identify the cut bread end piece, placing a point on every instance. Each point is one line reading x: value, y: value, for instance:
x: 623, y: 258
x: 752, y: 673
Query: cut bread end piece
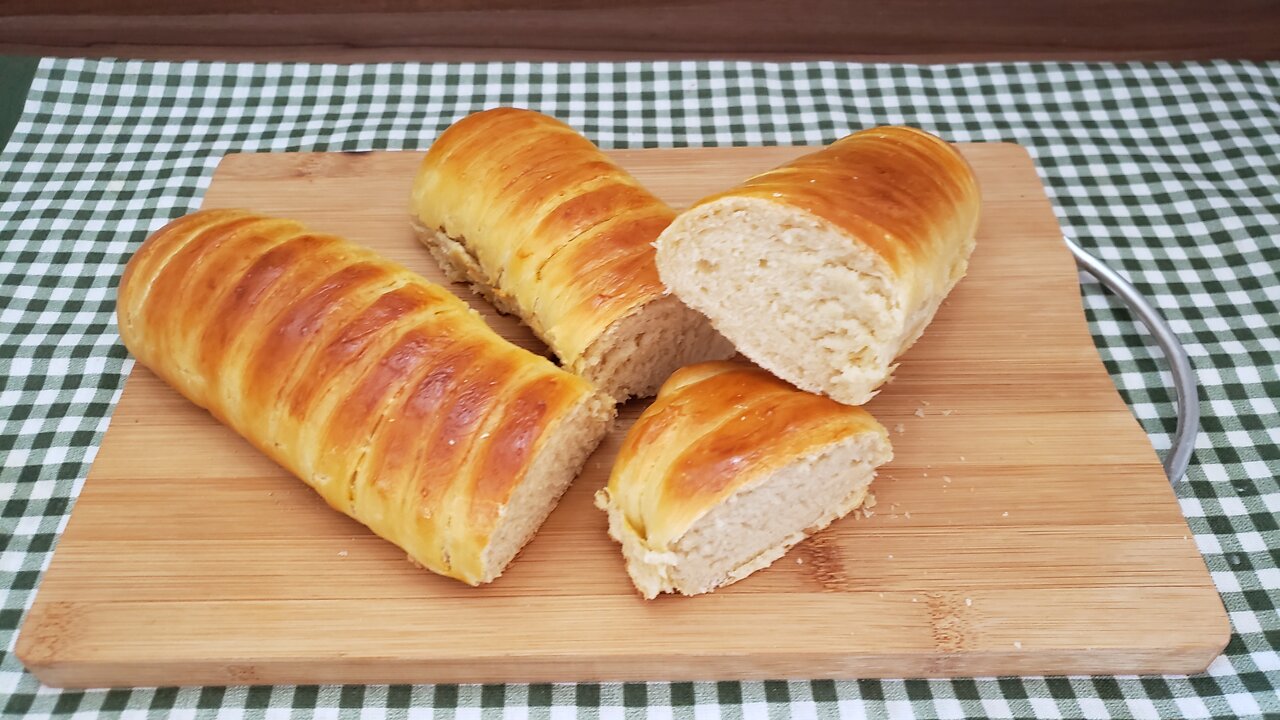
x: 792, y: 292
x: 756, y: 525
x: 550, y: 474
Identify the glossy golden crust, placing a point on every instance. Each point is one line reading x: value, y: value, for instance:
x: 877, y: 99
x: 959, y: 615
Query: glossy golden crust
x: 560, y: 234
x: 713, y: 429
x: 902, y: 192
x: 384, y: 392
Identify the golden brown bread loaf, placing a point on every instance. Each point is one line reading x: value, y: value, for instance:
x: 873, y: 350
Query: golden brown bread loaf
x: 385, y: 393
x: 826, y: 269
x: 727, y: 469
x: 551, y: 230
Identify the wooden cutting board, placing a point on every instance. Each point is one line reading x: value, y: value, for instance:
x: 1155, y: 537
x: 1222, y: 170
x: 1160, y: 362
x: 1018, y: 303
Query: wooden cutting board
x: 1025, y: 527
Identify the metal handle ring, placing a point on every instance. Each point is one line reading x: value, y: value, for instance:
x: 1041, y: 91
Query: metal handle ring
x: 1186, y: 392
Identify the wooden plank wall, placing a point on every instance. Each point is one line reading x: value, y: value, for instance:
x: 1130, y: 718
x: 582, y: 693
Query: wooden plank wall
x: 928, y: 30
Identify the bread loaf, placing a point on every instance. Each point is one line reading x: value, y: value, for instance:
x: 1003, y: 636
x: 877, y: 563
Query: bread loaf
x: 727, y: 469
x: 549, y: 229
x: 826, y: 269
x: 385, y: 393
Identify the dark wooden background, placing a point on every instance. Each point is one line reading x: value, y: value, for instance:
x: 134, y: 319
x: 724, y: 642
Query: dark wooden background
x: 918, y: 30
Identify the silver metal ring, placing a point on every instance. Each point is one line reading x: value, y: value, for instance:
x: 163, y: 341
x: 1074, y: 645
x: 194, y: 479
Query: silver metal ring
x: 1186, y: 392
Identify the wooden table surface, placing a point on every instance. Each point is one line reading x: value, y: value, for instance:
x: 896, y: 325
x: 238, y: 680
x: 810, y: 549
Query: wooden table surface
x: 433, y: 30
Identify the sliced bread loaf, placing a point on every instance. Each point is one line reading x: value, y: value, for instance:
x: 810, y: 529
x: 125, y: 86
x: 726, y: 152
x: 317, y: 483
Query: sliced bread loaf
x: 825, y: 270
x: 727, y: 469
x: 549, y: 229
x: 385, y: 393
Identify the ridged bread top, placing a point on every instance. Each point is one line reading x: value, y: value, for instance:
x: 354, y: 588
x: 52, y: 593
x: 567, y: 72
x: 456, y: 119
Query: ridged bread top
x: 713, y: 429
x: 901, y: 192
x: 555, y: 224
x: 384, y: 392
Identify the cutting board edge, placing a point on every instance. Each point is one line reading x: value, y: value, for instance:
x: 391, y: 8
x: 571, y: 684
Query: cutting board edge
x: 1049, y: 662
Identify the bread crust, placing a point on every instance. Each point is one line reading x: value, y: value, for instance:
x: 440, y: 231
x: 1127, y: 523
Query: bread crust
x: 384, y: 392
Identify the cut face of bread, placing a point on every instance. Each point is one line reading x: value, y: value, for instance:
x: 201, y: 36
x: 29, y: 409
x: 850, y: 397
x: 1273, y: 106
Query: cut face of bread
x: 791, y: 291
x: 825, y: 270
x: 549, y: 475
x: 729, y: 469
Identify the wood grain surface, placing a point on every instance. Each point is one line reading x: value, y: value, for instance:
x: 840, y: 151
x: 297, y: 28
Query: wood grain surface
x: 921, y: 29
x: 1025, y: 527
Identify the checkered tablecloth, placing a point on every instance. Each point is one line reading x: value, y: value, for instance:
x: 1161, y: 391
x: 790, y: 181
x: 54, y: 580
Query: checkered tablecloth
x: 1170, y: 173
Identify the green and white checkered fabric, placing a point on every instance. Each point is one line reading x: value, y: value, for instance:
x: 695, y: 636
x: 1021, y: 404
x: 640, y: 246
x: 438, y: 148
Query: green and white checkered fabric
x: 1170, y: 173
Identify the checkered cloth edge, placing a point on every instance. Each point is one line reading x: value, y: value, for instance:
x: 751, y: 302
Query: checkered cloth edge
x: 1169, y: 173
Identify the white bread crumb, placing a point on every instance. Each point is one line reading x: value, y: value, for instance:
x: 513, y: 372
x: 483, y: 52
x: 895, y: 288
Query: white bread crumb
x: 766, y: 275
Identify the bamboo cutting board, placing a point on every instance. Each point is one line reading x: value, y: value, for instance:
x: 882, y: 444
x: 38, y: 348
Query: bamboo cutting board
x: 1025, y: 528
